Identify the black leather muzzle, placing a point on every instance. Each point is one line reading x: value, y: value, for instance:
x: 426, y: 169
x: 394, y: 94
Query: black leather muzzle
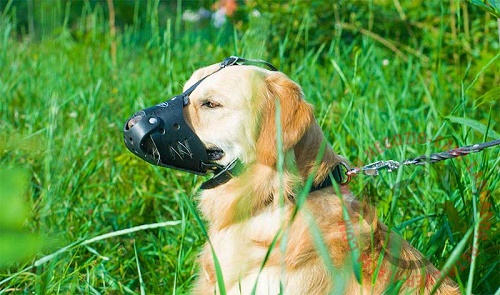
x: 161, y: 136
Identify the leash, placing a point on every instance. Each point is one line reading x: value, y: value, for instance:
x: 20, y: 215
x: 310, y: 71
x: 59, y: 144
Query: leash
x: 392, y: 165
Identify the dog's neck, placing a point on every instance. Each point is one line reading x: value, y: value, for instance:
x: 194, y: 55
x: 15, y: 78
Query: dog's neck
x: 314, y: 156
x: 258, y: 187
x: 261, y: 186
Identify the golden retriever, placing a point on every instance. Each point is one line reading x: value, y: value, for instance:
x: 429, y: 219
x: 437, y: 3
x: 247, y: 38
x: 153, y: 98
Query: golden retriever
x: 263, y: 235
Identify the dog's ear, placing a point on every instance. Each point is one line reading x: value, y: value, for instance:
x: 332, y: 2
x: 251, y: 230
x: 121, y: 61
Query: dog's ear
x: 296, y: 116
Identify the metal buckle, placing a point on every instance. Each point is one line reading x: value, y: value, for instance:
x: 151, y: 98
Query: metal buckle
x: 230, y: 61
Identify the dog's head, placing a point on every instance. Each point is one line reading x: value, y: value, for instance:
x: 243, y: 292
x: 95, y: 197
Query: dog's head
x: 234, y: 113
x: 226, y: 114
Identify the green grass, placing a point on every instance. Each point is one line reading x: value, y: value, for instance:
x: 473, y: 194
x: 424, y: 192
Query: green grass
x: 63, y: 104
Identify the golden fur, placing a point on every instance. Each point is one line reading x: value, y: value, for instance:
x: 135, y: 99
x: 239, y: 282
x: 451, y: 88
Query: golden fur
x: 253, y: 215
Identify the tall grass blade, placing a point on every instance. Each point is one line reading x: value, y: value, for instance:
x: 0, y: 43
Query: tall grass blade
x: 455, y: 255
x: 49, y: 257
x: 474, y: 124
x: 218, y: 270
x: 139, y: 273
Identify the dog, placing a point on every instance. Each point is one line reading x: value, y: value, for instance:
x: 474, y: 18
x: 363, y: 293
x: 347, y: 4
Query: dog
x: 282, y: 223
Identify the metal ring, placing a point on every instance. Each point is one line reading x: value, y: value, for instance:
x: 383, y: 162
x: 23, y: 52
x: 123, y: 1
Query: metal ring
x: 348, y: 178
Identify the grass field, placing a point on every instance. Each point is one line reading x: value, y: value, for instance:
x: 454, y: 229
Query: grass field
x: 64, y: 100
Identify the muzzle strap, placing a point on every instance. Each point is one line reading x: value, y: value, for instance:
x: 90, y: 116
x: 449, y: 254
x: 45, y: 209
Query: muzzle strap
x: 236, y: 60
x: 223, y: 175
x: 230, y: 61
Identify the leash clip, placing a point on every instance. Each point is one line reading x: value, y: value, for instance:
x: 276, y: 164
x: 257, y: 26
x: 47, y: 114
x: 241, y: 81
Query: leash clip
x: 372, y: 169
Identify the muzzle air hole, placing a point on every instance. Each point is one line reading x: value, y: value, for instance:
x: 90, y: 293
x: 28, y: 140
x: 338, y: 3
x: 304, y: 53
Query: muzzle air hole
x: 176, y: 126
x: 131, y: 140
x: 161, y: 131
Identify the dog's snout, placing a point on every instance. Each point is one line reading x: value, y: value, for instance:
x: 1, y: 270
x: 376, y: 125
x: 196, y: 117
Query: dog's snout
x: 133, y: 121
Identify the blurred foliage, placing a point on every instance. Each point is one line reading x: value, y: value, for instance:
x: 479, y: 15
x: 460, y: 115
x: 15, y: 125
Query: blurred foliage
x: 434, y: 32
x: 17, y: 243
x: 39, y: 17
x: 413, y: 27
x: 407, y: 28
x: 492, y: 6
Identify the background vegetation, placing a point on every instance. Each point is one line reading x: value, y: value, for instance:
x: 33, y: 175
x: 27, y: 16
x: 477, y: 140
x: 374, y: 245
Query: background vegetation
x: 388, y: 79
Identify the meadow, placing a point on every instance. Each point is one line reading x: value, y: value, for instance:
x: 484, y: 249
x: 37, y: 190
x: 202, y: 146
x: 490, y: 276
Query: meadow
x: 82, y: 215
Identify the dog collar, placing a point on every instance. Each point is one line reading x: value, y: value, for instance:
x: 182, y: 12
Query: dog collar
x: 235, y: 168
x: 335, y: 174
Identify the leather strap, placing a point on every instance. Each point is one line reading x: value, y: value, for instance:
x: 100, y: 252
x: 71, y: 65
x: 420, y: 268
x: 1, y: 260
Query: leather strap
x: 234, y: 168
x: 223, y: 175
x: 336, y: 174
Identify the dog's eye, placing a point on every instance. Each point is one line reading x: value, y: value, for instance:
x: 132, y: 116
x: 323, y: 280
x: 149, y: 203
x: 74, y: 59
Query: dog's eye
x: 210, y: 104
